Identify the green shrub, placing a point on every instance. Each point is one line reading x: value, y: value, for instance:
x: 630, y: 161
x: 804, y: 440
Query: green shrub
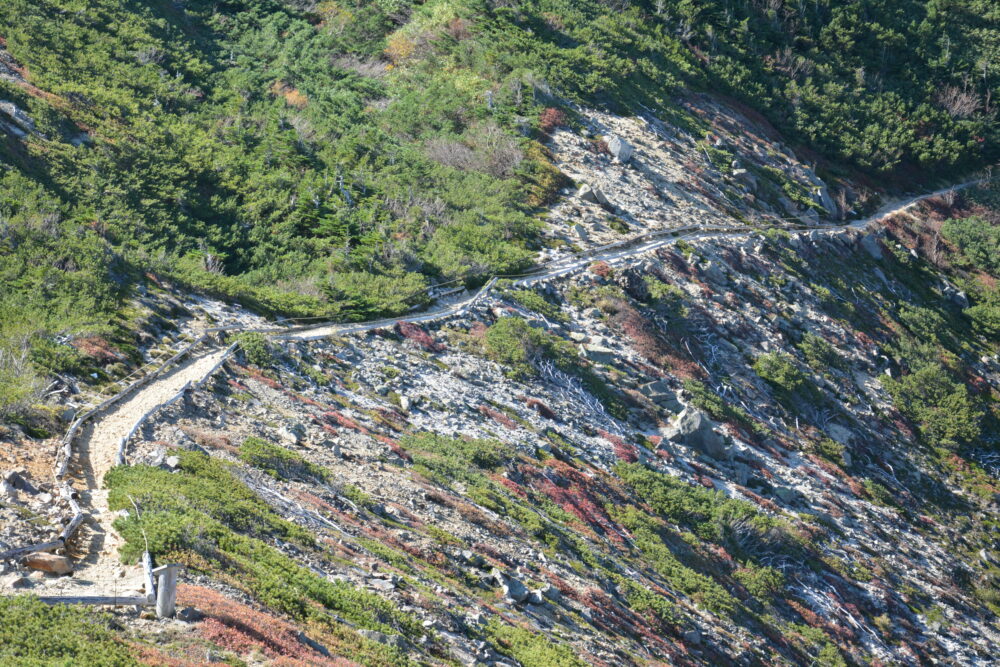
x: 257, y: 348
x: 643, y: 600
x: 944, y: 412
x: 762, y: 582
x: 532, y: 300
x: 279, y: 462
x: 978, y: 240
x: 206, y: 518
x: 455, y: 458
x: 529, y: 648
x: 705, y: 511
x: 648, y: 537
x: 819, y: 354
x: 780, y: 371
x: 34, y: 633
x: 879, y: 493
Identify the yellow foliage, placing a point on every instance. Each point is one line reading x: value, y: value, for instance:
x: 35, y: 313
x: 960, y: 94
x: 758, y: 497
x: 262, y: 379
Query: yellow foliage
x: 293, y: 96
x: 399, y: 48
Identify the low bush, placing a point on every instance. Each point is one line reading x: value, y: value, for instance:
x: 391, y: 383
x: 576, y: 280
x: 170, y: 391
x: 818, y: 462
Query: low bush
x: 256, y: 347
x: 761, y: 582
x: 532, y: 300
x: 204, y: 517
x: 705, y: 511
x: 278, y: 462
x: 819, y: 354
x: 978, y: 240
x: 34, y: 633
x: 942, y: 408
x: 450, y: 459
x: 648, y: 536
x: 529, y: 648
x: 780, y: 371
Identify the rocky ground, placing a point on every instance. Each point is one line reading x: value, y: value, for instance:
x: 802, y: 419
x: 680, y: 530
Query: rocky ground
x: 870, y: 568
x: 688, y: 456
x: 636, y: 175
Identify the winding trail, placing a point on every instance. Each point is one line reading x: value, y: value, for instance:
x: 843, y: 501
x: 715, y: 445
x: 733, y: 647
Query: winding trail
x: 99, y: 570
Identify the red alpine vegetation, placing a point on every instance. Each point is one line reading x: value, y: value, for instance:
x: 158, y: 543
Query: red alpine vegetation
x: 551, y: 119
x: 419, y: 336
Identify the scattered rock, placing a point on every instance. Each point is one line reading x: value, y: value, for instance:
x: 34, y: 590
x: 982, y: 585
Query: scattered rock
x: 693, y: 636
x: 189, y: 615
x: 14, y: 581
x: 515, y: 590
x: 620, y: 149
x: 46, y: 562
x: 693, y: 428
x: 871, y: 245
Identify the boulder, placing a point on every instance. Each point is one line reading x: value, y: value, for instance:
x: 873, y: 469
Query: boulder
x: 189, y: 615
x: 515, y: 590
x: 46, y: 562
x: 870, y: 244
x: 715, y: 273
x: 550, y: 592
x: 17, y: 115
x: 379, y: 584
x: 292, y: 433
x: 839, y: 433
x: 599, y: 354
x: 693, y: 637
x: 535, y: 597
x: 472, y: 558
x: 18, y: 479
x: 693, y: 428
x: 396, y: 641
x: 788, y: 495
x: 661, y: 393
x: 620, y: 149
x: 511, y: 587
x: 581, y: 232
x: 747, y: 178
x: 14, y: 581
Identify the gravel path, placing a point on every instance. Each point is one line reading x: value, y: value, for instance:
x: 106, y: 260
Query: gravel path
x: 98, y: 570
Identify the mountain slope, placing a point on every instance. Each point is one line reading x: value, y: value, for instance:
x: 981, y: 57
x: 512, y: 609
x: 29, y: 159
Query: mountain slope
x: 725, y: 443
x: 336, y: 157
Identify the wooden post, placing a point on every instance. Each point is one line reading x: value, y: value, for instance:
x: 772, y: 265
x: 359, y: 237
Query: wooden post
x: 149, y: 582
x: 166, y: 590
